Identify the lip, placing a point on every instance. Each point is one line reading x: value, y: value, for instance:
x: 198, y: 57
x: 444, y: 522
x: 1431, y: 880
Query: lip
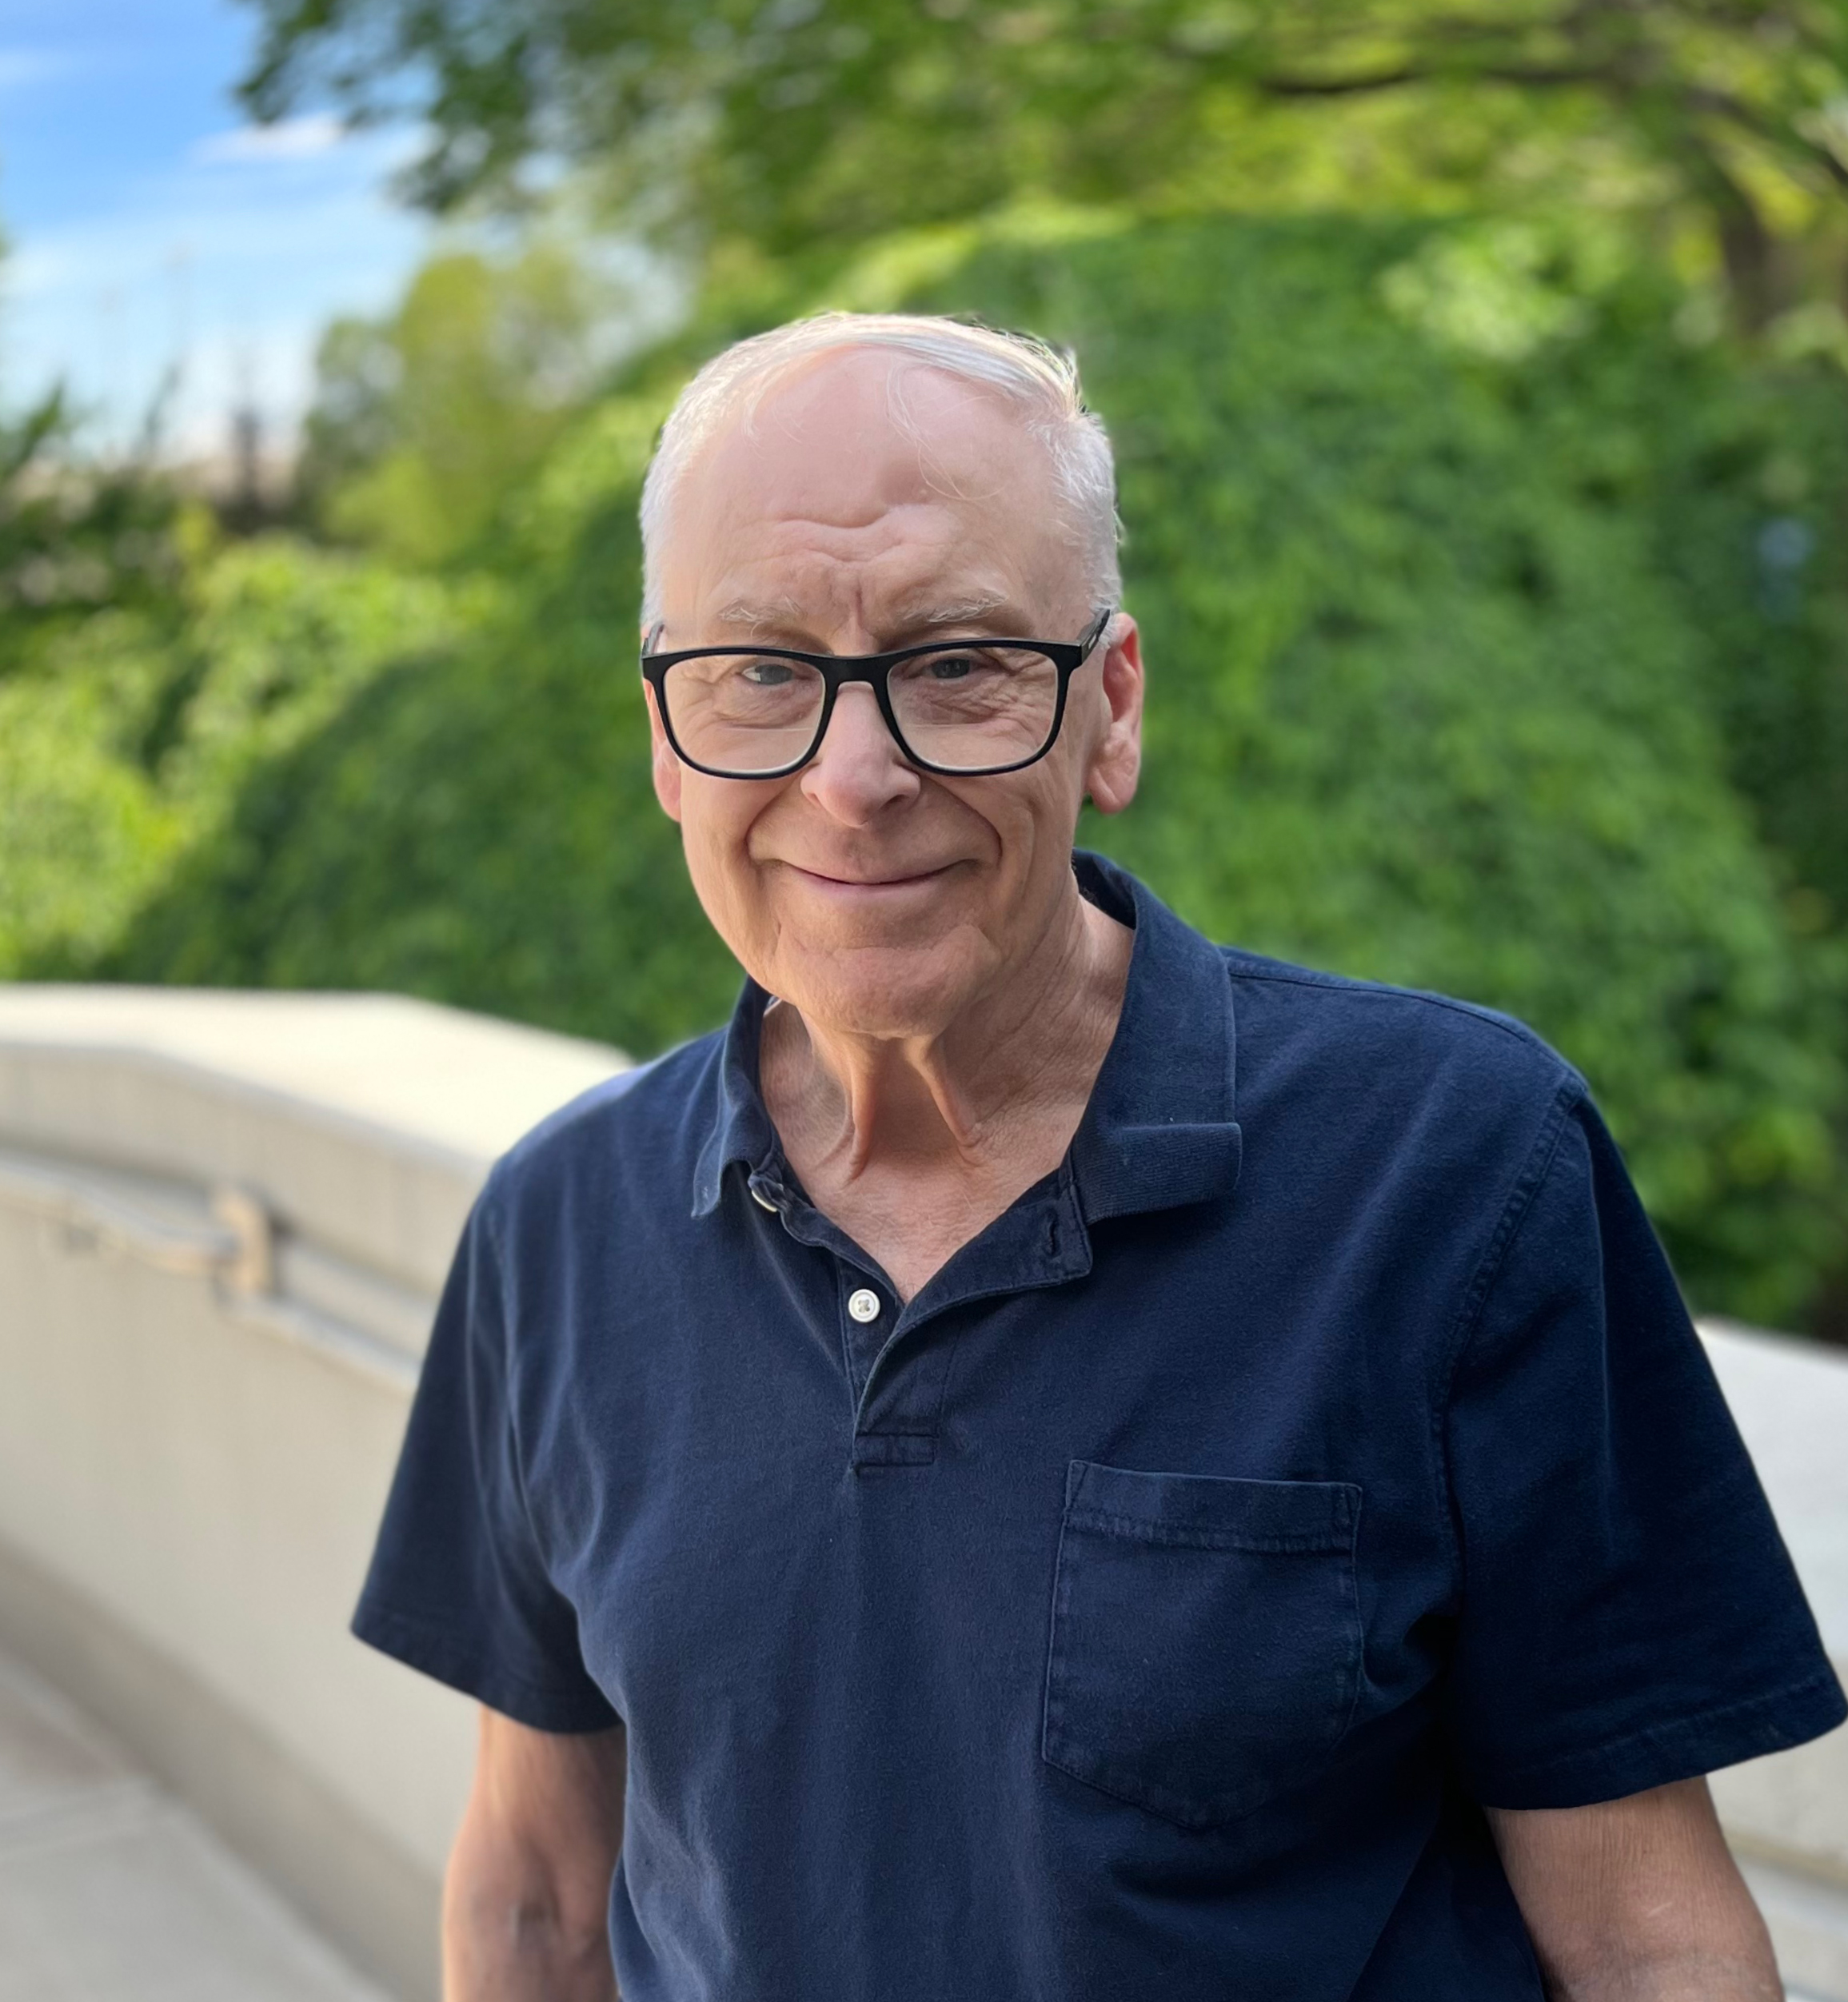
x: 870, y: 886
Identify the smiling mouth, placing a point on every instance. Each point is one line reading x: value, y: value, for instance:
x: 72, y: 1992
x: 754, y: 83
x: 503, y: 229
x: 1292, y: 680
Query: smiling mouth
x: 901, y: 880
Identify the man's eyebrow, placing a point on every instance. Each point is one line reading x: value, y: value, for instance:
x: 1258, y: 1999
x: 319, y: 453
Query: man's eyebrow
x: 755, y: 614
x: 954, y: 611
x: 923, y: 614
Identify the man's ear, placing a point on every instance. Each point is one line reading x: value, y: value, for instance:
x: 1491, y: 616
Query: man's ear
x: 1116, y: 763
x: 667, y: 767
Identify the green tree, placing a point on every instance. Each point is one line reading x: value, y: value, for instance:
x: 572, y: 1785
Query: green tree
x: 804, y: 122
x: 75, y: 537
x: 129, y: 736
x: 423, y: 420
x: 1431, y: 696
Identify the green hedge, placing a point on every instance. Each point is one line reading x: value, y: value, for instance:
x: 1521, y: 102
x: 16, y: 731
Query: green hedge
x: 126, y: 738
x: 1447, y: 554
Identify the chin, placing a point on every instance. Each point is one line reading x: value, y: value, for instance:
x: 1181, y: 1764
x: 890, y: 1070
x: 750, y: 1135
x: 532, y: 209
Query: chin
x: 877, y: 990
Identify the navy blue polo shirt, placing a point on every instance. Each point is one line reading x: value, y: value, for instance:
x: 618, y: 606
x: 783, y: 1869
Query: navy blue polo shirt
x: 1147, y: 1607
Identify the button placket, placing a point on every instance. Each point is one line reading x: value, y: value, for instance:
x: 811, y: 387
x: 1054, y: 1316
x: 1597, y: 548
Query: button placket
x: 896, y: 1359
x: 866, y: 1325
x: 901, y: 1388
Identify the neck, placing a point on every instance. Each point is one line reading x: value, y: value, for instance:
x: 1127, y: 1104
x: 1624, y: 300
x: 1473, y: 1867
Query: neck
x: 1026, y: 1050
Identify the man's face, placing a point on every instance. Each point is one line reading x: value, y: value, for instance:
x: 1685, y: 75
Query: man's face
x: 878, y: 899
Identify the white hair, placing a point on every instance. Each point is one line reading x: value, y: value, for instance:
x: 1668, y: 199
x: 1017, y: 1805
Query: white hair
x: 1040, y: 382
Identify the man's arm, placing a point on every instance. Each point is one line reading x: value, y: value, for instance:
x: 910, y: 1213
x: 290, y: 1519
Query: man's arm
x: 1636, y: 1900
x: 526, y: 1898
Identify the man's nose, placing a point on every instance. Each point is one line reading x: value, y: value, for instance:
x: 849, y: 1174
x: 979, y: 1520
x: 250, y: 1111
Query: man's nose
x: 860, y: 771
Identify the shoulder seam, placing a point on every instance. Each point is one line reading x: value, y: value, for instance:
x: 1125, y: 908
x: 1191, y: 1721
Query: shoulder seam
x: 1568, y: 1096
x: 1383, y: 990
x: 598, y: 1101
x: 487, y: 1206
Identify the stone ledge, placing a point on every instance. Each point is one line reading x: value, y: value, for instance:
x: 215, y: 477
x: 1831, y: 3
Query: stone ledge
x: 364, y: 1123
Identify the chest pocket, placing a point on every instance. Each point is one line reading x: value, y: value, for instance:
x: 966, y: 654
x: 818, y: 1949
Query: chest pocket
x: 1206, y: 1637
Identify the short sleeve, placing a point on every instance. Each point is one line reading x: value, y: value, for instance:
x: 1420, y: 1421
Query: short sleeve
x: 458, y: 1587
x: 1630, y: 1616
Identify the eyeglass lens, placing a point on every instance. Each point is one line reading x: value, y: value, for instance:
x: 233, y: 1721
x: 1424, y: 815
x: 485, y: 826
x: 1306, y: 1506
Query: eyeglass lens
x: 963, y: 709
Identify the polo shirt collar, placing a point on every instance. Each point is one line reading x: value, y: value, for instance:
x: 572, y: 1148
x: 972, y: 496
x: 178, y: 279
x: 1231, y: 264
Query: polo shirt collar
x: 741, y: 1130
x: 1159, y: 1131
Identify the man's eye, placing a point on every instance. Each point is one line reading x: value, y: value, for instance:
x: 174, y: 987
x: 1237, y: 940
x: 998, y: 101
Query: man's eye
x: 953, y: 666
x: 769, y: 674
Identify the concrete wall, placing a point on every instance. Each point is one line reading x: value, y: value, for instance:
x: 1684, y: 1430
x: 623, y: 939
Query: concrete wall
x: 1788, y: 1816
x: 223, y: 1222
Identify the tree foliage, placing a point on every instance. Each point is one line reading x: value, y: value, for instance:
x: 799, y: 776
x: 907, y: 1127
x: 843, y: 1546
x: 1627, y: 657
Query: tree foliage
x: 424, y: 420
x: 1496, y: 594
x: 75, y: 537
x: 1439, y: 594
x: 791, y: 124
x: 128, y: 738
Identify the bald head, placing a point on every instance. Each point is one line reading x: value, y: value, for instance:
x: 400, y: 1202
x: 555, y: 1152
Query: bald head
x: 1032, y: 388
x: 868, y: 501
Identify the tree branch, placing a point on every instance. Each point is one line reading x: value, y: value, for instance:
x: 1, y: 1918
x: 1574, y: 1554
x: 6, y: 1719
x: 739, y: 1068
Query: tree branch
x: 1530, y: 77
x: 1722, y: 104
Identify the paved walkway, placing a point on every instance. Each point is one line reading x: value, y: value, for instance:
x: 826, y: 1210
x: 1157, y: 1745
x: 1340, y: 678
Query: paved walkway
x: 110, y: 1890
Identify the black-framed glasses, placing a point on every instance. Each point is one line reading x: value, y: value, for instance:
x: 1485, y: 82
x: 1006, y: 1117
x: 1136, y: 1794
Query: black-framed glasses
x: 964, y: 708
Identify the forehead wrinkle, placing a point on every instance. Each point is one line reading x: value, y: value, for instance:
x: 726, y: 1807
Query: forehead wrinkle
x: 896, y: 562
x: 906, y: 554
x: 921, y: 606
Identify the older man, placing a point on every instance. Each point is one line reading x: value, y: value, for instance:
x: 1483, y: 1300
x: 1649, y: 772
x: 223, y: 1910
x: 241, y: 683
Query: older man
x: 1049, y: 1460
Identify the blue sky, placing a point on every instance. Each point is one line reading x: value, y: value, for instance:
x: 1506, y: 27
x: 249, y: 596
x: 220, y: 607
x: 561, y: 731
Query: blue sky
x: 148, y: 224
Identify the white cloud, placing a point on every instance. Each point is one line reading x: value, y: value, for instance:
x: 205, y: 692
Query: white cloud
x: 234, y: 267
x: 291, y: 139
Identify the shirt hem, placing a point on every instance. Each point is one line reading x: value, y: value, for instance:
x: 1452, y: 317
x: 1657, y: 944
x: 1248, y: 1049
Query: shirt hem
x: 1658, y: 1755
x: 433, y: 1651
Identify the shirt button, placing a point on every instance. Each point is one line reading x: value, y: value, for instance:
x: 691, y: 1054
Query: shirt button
x: 863, y: 1304
x: 762, y: 1200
